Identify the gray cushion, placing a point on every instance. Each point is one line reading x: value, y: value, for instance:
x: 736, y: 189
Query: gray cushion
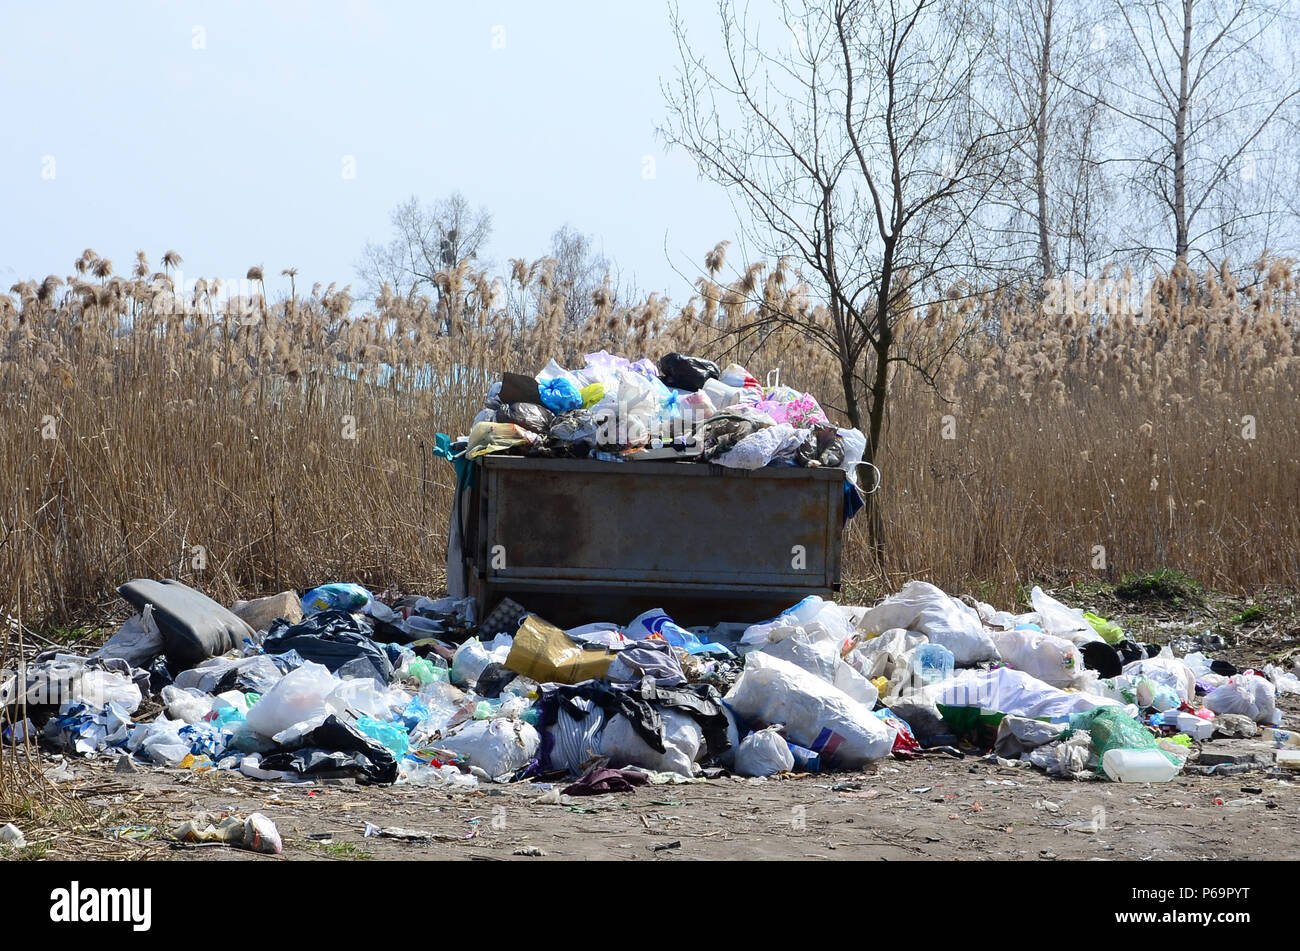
x: 193, y: 626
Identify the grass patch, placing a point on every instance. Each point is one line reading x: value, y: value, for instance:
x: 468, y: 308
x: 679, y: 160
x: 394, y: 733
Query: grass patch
x: 343, y: 850
x: 1250, y: 615
x: 1168, y: 586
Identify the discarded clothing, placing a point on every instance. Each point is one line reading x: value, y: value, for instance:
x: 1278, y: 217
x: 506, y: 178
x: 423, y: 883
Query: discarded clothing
x: 605, y: 780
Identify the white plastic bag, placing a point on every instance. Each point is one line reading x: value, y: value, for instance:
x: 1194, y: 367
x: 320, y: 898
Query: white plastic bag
x: 1012, y: 692
x: 817, y: 715
x: 1060, y: 620
x: 138, y: 641
x: 818, y: 656
x: 100, y: 687
x: 682, y: 739
x: 1053, y: 660
x: 297, y: 697
x: 1247, y: 695
x: 187, y: 704
x: 757, y: 449
x: 363, y: 696
x: 855, y: 685
x: 1167, y: 670
x: 764, y: 753
x: 469, y: 662
x: 498, y: 747
x: 927, y: 609
x: 160, y: 741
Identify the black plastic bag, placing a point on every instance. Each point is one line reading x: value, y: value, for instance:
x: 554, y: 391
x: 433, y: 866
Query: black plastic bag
x: 159, y: 675
x: 1101, y: 657
x: 531, y: 416
x: 686, y: 373
x: 336, y: 745
x: 493, y: 680
x: 517, y: 388
x: 334, y: 639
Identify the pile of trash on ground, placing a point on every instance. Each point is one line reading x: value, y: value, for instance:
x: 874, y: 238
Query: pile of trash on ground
x: 417, y: 691
x: 681, y: 408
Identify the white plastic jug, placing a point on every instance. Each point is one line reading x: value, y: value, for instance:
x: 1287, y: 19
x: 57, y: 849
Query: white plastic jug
x: 1138, y: 766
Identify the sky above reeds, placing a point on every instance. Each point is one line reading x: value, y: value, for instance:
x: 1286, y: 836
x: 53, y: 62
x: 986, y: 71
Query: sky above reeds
x: 282, y: 133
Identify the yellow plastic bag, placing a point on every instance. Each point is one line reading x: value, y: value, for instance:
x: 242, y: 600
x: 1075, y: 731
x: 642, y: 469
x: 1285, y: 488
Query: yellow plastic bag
x: 592, y: 394
x: 546, y: 654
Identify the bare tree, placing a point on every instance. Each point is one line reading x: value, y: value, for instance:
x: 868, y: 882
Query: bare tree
x: 1210, y: 79
x: 425, y: 239
x: 1050, y: 54
x: 860, y: 151
x: 579, y: 271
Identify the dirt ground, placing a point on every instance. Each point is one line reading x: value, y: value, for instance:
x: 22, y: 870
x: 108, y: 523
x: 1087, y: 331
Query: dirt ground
x: 937, y: 807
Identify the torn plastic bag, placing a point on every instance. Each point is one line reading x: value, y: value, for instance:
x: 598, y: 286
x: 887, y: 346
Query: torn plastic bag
x: 764, y: 753
x: 497, y: 437
x: 1019, y: 735
x: 100, y: 687
x: 1010, y: 692
x: 686, y: 373
x: 578, y: 426
x: 823, y: 446
x: 758, y: 449
x: 256, y: 674
x: 531, y: 416
x: 922, y: 607
x: 1061, y: 620
x: 657, y: 622
x: 298, y: 697
x: 189, y: 705
x: 493, y: 679
x: 817, y: 715
x: 138, y: 641
x: 334, y: 639
x: 1167, y: 671
x: 335, y: 745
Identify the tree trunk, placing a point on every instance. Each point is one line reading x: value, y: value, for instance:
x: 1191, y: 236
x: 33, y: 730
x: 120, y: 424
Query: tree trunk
x: 1180, y: 136
x: 1040, y: 143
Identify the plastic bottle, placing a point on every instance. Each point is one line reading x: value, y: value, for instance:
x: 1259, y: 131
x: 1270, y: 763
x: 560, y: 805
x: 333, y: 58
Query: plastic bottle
x: 1138, y: 766
x: 1280, y: 738
x: 934, y: 663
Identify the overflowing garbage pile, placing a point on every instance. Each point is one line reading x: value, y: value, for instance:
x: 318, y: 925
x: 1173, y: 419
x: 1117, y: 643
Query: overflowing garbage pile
x: 420, y: 691
x: 681, y: 408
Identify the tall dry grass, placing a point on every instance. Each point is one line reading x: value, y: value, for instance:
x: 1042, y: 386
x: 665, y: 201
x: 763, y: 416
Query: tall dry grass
x: 246, y: 446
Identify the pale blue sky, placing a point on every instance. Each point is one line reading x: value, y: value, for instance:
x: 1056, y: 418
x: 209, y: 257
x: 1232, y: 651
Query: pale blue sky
x: 233, y: 153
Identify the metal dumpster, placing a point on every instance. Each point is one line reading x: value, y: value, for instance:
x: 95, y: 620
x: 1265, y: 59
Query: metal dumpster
x: 583, y: 540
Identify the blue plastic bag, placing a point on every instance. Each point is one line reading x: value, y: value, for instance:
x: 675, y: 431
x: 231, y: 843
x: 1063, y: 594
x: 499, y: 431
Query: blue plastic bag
x: 335, y: 597
x: 560, y: 395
